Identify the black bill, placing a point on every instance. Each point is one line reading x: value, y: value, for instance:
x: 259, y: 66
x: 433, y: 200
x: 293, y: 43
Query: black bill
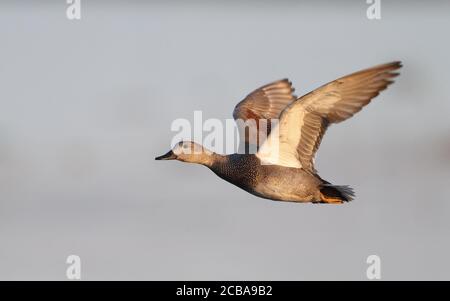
x: 169, y: 156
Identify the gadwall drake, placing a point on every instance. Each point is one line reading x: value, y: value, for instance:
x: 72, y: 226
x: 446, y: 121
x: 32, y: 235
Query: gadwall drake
x: 282, y: 168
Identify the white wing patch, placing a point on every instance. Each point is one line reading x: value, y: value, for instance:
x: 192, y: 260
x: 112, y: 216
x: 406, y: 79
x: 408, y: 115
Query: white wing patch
x: 280, y: 148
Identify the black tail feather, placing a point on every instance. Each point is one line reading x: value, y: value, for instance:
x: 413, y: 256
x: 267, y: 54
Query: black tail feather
x: 343, y: 192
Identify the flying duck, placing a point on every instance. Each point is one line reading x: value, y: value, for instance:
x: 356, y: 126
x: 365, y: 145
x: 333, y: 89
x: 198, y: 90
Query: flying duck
x: 282, y: 168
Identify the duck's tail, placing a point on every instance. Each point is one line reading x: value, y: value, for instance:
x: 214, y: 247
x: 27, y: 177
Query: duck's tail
x: 336, y: 194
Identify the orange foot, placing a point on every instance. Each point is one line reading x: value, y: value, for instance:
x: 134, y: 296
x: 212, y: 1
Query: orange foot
x: 330, y: 200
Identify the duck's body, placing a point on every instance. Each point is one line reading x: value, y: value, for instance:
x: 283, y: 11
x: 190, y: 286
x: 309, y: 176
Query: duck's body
x: 268, y: 181
x: 282, y: 169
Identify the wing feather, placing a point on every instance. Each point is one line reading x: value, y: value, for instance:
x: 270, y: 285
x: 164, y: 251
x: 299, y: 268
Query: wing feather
x: 266, y: 102
x: 304, y: 122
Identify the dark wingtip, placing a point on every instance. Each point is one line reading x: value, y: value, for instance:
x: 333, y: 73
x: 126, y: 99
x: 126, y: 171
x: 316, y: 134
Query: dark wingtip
x: 396, y: 64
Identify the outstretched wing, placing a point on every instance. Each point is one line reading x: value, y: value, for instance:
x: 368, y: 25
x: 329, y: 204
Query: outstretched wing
x: 264, y: 103
x: 304, y: 122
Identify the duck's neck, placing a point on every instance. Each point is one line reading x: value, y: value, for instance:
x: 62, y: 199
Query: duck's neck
x: 213, y: 159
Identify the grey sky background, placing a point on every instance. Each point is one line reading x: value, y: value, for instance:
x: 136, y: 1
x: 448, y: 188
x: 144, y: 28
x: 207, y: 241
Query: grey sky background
x: 86, y: 106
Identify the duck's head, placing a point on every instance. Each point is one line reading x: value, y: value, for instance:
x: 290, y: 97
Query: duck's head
x: 188, y: 151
